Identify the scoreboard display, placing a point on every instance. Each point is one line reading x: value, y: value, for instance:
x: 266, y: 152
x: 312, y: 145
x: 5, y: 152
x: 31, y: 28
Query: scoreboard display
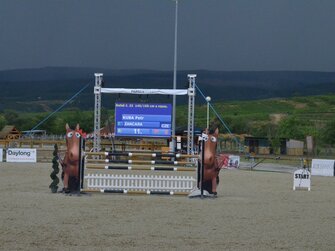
x: 143, y: 120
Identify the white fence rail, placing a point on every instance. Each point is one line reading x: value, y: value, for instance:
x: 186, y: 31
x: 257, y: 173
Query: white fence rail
x: 140, y: 182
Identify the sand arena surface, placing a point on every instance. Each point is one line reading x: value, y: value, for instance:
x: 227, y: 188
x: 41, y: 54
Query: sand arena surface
x: 254, y: 211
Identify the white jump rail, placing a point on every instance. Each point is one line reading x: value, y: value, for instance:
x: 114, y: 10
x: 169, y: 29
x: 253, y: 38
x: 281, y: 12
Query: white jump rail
x: 140, y: 182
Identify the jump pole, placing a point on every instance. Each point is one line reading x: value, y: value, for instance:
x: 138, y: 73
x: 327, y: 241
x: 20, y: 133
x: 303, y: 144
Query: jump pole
x: 125, y: 191
x: 81, y: 162
x: 79, y: 167
x: 152, y: 162
x: 140, y: 168
x: 145, y: 154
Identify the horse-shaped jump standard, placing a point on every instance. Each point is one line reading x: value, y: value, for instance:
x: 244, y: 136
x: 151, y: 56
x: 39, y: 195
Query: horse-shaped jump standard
x: 211, y: 162
x: 70, y: 163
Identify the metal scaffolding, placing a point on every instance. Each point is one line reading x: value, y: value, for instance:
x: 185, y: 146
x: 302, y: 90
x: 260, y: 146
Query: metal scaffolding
x: 98, y: 90
x: 97, y: 112
x: 191, y: 103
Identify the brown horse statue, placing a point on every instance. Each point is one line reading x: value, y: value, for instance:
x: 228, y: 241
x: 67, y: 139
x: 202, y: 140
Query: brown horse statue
x: 70, y: 163
x: 211, y: 162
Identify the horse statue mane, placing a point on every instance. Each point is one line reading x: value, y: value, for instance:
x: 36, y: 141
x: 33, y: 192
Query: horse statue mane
x: 70, y: 163
x: 211, y: 162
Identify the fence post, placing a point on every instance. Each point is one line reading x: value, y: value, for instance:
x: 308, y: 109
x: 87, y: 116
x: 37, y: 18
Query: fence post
x: 81, y: 162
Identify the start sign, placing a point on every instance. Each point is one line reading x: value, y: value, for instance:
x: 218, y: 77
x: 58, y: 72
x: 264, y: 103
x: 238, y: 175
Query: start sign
x: 302, y: 179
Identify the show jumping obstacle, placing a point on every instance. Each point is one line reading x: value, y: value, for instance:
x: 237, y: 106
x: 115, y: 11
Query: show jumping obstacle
x: 134, y: 183
x: 77, y: 162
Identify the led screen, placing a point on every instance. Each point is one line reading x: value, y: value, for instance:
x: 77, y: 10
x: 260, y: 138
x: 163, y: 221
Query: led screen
x: 143, y: 119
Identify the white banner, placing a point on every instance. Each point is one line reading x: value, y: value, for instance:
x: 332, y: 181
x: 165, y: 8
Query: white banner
x: 323, y: 167
x: 234, y: 161
x: 145, y: 91
x: 228, y: 161
x: 302, y: 179
x: 1, y: 153
x: 21, y: 155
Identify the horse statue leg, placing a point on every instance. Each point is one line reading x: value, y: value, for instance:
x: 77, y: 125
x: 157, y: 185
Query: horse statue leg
x: 65, y: 175
x: 66, y: 182
x: 214, y: 184
x: 215, y: 177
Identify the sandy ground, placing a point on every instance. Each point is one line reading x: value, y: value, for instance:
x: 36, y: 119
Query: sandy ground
x: 255, y: 210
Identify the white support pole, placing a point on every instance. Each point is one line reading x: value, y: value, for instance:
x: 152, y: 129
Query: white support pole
x: 97, y: 112
x: 208, y: 99
x: 174, y: 80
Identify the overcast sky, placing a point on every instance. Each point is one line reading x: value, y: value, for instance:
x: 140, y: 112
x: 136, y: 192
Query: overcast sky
x: 139, y: 34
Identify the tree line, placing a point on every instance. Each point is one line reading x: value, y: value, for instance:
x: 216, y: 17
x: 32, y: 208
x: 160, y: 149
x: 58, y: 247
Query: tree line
x: 291, y: 126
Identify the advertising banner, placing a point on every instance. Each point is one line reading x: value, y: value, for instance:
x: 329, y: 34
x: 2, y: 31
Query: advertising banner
x: 1, y: 153
x: 234, y: 161
x: 323, y: 167
x: 228, y: 161
x: 21, y: 155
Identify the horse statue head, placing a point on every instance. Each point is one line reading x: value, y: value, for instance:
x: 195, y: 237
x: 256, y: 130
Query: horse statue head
x: 72, y: 143
x: 70, y: 162
x: 210, y: 148
x: 211, y: 166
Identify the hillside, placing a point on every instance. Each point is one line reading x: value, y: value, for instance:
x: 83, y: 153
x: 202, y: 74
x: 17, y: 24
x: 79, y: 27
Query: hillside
x: 45, y: 89
x: 240, y: 116
x: 274, y: 118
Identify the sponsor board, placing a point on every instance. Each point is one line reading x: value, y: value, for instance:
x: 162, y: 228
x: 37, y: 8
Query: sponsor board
x: 21, y: 155
x: 323, y: 167
x: 234, y: 161
x: 302, y: 179
x: 228, y: 161
x: 1, y: 153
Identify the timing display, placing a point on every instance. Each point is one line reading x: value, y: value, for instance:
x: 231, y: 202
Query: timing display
x: 143, y: 119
